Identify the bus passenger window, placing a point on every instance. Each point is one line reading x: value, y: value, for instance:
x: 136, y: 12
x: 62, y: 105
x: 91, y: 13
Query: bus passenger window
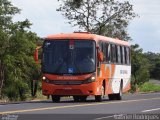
x: 108, y: 53
x: 121, y: 53
x: 104, y: 51
x: 128, y: 55
x: 125, y: 55
x: 118, y: 54
x: 113, y: 54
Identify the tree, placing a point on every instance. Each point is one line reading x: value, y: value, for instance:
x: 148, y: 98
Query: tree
x: 139, y: 67
x: 154, y: 61
x: 6, y: 12
x: 17, y: 67
x: 103, y: 17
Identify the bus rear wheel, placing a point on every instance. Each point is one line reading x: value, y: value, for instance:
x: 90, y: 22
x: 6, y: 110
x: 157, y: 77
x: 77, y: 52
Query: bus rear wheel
x: 117, y: 96
x: 56, y: 98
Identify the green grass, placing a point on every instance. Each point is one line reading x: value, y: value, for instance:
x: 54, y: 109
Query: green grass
x: 149, y: 87
x: 38, y: 96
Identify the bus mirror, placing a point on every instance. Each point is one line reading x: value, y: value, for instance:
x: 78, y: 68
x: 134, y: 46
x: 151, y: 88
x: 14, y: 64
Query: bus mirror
x: 100, y: 56
x: 36, y: 54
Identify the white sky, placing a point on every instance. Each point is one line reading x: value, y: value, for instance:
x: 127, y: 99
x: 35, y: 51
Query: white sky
x: 144, y: 30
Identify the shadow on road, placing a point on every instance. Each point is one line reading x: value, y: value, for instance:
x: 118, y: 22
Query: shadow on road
x: 63, y: 100
x: 70, y: 100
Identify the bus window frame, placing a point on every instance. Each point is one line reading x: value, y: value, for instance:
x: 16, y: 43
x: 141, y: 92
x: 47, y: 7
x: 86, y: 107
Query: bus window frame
x: 118, y: 54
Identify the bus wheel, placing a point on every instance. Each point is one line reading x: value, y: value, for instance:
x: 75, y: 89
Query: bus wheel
x: 111, y: 96
x: 117, y: 96
x: 55, y: 98
x: 99, y: 98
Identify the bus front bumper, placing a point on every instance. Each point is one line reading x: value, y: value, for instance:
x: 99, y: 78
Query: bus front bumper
x: 70, y: 90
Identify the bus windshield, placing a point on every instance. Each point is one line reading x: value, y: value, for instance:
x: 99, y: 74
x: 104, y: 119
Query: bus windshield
x: 69, y: 56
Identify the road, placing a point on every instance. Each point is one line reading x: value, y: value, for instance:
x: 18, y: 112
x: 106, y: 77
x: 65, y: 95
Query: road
x: 90, y: 110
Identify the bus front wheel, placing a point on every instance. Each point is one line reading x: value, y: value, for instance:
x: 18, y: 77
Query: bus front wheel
x: 99, y: 98
x: 117, y: 96
x: 55, y: 98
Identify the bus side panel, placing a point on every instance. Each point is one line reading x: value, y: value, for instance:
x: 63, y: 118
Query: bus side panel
x: 121, y: 73
x: 113, y: 75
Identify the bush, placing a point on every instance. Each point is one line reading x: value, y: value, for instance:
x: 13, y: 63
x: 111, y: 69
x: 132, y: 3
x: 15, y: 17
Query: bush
x: 149, y: 87
x: 12, y: 93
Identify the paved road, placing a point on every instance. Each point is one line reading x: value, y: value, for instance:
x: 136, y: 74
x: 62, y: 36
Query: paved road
x: 131, y: 104
x: 155, y: 82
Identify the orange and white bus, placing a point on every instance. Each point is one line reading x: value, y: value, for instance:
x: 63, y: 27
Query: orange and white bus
x: 84, y: 64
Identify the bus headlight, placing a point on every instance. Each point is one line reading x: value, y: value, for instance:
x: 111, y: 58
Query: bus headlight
x: 45, y: 79
x: 89, y: 80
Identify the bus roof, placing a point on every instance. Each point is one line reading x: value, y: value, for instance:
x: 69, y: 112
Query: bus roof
x: 88, y: 36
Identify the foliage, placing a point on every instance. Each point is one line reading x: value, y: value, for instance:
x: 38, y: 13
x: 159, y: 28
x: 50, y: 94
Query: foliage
x: 17, y: 44
x: 154, y: 61
x: 140, y: 66
x: 103, y: 17
x: 149, y: 87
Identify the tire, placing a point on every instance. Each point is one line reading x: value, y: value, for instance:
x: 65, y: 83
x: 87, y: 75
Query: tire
x: 99, y: 98
x: 117, y: 96
x: 56, y: 99
x: 111, y: 96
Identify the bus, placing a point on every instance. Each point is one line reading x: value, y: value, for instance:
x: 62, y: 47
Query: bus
x: 82, y: 64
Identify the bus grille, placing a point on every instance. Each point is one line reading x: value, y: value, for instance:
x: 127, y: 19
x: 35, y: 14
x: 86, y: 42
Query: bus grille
x: 64, y: 82
x: 67, y: 92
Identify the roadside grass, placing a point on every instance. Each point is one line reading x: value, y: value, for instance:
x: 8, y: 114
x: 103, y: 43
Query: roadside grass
x: 149, y: 87
x: 38, y: 97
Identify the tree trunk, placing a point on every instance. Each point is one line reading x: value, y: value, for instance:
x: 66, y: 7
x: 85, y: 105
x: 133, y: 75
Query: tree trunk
x: 136, y: 84
x: 1, y: 77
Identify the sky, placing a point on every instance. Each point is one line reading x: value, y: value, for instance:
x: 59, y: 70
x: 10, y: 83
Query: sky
x: 144, y: 30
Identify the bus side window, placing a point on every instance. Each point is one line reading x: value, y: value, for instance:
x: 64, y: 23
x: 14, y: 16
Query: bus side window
x: 104, y: 51
x: 125, y: 55
x: 113, y: 53
x: 128, y: 55
x: 121, y: 54
x: 108, y: 53
x: 118, y: 54
x: 101, y: 49
x: 101, y: 46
